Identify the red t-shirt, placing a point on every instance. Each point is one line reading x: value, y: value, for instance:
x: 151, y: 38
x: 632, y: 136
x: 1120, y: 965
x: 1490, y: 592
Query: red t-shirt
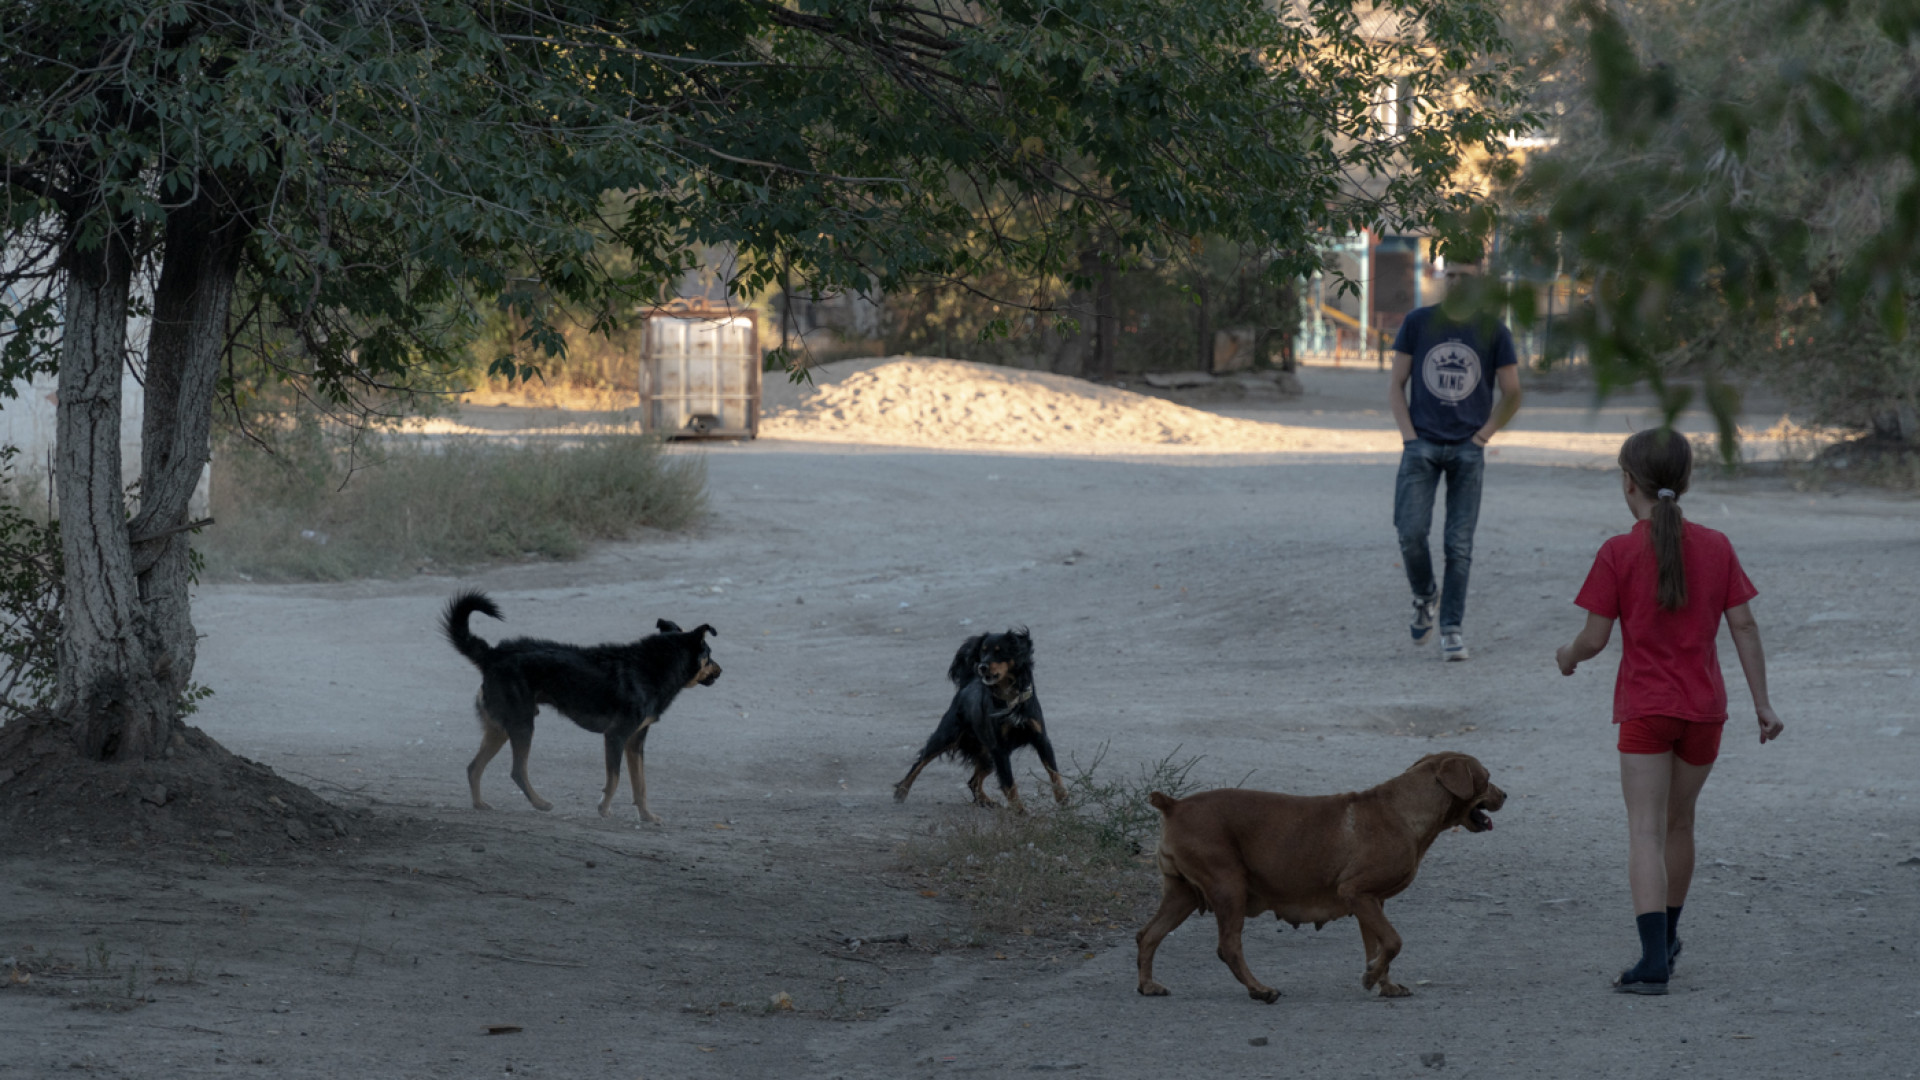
x: 1668, y: 663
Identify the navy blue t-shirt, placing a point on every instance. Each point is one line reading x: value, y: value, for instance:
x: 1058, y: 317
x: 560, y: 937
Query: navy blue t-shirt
x: 1452, y: 383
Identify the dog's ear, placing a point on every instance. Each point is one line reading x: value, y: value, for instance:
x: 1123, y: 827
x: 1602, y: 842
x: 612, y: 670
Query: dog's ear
x: 1456, y: 775
x: 1022, y: 641
x: 667, y: 626
x: 965, y: 659
x: 703, y: 628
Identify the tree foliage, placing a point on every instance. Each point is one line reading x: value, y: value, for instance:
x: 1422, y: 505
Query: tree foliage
x: 398, y: 163
x: 987, y: 147
x: 1164, y: 310
x: 1737, y: 183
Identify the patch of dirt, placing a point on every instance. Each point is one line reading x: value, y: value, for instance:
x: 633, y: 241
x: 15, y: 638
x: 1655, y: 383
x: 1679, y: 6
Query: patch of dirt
x: 199, y: 795
x: 1419, y: 721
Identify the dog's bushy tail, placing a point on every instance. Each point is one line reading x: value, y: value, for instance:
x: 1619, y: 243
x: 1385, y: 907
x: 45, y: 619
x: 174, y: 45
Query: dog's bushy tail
x: 454, y: 623
x: 1162, y: 802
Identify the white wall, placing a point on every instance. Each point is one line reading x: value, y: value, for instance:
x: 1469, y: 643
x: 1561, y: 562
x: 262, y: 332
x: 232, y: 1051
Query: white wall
x: 27, y: 422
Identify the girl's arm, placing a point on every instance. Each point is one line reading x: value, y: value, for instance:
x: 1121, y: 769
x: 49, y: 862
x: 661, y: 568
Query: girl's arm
x: 1587, y: 645
x: 1753, y: 661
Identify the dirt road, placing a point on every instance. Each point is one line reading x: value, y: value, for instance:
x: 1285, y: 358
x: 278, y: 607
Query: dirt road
x: 1243, y: 608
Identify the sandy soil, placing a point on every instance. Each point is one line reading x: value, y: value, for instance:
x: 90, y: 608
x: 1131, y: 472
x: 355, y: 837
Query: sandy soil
x: 914, y: 401
x: 954, y: 404
x: 1245, y: 607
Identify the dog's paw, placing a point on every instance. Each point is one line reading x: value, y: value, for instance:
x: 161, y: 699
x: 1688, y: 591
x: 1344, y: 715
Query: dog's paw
x: 900, y: 792
x: 649, y: 816
x: 1393, y: 990
x: 1151, y: 988
x: 542, y: 805
x: 605, y: 810
x: 481, y: 804
x: 1265, y: 994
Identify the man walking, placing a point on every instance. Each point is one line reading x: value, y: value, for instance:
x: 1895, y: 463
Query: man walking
x: 1446, y: 423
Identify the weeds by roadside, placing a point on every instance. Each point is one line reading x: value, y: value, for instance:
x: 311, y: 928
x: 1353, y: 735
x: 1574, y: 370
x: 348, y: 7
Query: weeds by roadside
x: 1863, y: 462
x: 30, y: 592
x: 1818, y: 458
x: 314, y: 510
x: 100, y: 982
x: 1083, y: 866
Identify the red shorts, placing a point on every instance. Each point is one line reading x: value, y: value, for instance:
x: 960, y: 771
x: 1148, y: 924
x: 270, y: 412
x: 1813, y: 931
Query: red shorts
x: 1696, y: 742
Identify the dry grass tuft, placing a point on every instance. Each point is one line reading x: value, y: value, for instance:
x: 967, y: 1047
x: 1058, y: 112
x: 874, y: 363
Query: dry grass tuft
x: 411, y: 504
x: 1082, y: 867
x: 1867, y: 462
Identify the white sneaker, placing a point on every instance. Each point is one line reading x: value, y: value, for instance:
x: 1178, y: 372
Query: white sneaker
x: 1453, y: 646
x: 1424, y: 609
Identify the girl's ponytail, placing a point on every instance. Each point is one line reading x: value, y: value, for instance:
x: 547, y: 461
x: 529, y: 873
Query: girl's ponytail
x: 1659, y: 461
x: 1667, y: 526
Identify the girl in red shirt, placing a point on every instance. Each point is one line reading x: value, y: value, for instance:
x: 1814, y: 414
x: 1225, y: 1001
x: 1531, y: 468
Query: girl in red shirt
x: 1667, y: 583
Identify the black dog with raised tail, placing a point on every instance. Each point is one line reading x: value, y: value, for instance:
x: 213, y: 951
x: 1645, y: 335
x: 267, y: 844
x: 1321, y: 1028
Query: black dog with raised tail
x: 618, y: 691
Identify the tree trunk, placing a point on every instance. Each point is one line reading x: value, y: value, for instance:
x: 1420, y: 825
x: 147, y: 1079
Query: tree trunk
x: 1287, y: 301
x: 1077, y: 355
x: 1896, y: 422
x: 106, y: 691
x: 1106, y: 317
x: 190, y: 310
x: 1203, y: 321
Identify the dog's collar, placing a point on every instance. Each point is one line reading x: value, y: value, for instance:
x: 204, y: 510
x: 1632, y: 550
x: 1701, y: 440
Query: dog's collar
x: 1019, y: 699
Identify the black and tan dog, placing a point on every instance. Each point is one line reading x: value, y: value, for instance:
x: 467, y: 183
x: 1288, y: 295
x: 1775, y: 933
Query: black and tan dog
x: 618, y: 691
x: 1238, y: 852
x: 994, y: 712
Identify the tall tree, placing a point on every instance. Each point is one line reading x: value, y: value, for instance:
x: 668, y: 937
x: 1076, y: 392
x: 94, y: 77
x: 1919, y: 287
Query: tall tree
x: 335, y: 187
x: 356, y: 171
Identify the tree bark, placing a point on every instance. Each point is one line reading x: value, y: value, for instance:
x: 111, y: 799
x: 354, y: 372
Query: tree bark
x: 1078, y: 355
x: 1287, y: 301
x: 1106, y: 317
x: 1895, y: 422
x: 106, y: 690
x: 1203, y: 321
x: 191, y: 305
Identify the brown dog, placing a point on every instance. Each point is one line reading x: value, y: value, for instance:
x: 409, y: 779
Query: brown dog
x: 1308, y: 859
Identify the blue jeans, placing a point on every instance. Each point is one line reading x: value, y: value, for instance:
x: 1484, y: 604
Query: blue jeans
x: 1422, y: 464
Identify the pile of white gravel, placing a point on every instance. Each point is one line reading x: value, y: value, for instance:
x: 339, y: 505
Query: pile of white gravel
x: 915, y: 401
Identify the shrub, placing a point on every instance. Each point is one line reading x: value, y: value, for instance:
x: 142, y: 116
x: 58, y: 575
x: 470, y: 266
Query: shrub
x: 29, y: 598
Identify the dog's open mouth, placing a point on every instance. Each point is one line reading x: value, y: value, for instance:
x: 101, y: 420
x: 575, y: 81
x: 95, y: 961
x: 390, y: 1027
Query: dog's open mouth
x: 1478, y: 821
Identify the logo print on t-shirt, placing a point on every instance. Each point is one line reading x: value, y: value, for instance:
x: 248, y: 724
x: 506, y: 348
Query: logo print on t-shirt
x: 1451, y: 371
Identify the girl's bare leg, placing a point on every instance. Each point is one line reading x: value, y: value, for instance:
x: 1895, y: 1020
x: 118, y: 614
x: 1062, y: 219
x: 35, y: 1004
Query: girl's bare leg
x: 1646, y: 782
x: 1682, y: 793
